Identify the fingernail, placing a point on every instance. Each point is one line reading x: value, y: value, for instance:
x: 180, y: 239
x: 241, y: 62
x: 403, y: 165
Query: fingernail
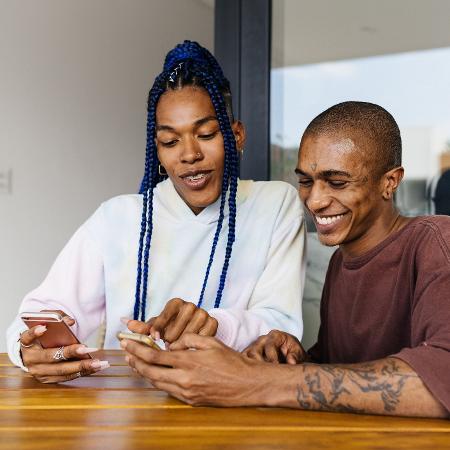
x: 157, y: 336
x: 123, y: 344
x: 127, y: 359
x: 100, y: 364
x: 86, y: 350
x: 125, y: 320
x: 41, y: 329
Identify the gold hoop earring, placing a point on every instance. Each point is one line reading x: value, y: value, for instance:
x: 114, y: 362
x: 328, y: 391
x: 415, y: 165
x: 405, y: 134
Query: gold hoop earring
x: 162, y: 171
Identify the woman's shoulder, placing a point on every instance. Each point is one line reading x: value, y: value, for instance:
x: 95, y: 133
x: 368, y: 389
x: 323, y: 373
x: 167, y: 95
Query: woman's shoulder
x: 118, y: 204
x: 269, y: 189
x: 117, y: 212
x: 272, y: 198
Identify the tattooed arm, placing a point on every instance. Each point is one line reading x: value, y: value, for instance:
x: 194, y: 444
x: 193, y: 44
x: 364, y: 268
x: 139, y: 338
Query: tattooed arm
x: 217, y: 375
x: 387, y: 386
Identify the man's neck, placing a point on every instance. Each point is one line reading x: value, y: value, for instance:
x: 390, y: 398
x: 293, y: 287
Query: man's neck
x: 388, y: 223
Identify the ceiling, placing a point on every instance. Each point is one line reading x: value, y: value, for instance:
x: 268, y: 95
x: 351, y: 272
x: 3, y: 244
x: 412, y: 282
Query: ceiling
x: 306, y: 31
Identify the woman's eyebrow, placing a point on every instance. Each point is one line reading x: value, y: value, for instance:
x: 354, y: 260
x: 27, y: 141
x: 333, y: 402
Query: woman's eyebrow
x: 164, y: 128
x: 204, y: 120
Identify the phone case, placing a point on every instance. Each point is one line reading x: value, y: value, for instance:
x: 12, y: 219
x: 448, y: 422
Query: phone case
x: 58, y: 333
x: 142, y: 338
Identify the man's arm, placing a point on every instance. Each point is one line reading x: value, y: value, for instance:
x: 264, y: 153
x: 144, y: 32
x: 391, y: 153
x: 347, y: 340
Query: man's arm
x: 387, y: 387
x: 216, y: 375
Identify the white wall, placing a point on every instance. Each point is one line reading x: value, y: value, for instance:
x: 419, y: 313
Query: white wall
x: 74, y: 77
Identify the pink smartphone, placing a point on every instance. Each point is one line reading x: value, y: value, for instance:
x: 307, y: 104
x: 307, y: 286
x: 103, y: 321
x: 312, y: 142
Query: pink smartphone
x: 58, y: 333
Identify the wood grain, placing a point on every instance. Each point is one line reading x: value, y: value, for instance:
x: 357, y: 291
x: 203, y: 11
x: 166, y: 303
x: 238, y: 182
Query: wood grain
x: 116, y: 409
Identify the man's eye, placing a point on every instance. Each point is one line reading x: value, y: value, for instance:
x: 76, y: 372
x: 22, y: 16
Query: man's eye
x: 305, y: 182
x: 169, y: 143
x: 337, y: 183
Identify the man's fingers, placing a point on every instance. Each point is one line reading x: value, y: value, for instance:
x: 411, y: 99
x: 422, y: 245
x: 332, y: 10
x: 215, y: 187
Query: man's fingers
x: 155, y: 373
x: 210, y: 327
x: 291, y: 358
x: 147, y: 354
x: 190, y: 340
x: 136, y: 326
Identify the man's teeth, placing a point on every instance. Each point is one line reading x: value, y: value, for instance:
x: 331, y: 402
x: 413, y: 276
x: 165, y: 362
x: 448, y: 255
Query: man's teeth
x: 196, y: 177
x: 328, y: 220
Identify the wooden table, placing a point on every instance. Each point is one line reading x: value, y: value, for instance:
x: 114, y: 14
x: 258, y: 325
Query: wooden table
x: 116, y: 409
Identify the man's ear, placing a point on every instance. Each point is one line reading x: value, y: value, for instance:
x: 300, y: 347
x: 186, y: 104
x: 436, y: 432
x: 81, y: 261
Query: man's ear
x: 239, y: 134
x: 391, y: 180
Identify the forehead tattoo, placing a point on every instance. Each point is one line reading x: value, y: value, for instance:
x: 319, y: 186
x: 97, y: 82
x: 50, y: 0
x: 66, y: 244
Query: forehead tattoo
x: 314, y: 167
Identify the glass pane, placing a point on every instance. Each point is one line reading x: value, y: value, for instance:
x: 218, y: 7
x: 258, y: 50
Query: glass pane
x: 395, y: 54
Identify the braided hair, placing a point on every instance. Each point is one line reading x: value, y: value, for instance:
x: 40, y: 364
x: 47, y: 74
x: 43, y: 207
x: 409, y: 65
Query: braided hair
x: 188, y: 64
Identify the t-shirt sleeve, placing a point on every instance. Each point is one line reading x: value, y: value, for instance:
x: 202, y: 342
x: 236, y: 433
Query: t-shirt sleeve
x: 429, y: 354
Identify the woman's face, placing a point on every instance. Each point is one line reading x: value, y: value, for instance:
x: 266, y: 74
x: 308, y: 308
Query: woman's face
x: 190, y: 145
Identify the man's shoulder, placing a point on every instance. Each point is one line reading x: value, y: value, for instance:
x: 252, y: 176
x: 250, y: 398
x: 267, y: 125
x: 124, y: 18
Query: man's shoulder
x: 437, y: 227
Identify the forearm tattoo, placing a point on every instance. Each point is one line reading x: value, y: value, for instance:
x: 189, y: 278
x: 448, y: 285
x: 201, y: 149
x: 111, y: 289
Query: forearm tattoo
x: 327, y: 387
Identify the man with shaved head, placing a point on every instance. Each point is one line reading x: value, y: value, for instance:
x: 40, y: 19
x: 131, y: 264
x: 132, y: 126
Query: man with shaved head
x: 384, y: 341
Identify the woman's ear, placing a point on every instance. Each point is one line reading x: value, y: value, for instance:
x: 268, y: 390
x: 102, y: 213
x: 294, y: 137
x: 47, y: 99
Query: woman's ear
x: 239, y: 134
x: 391, y: 180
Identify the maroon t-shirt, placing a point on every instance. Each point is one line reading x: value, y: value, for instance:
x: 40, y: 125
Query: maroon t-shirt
x: 393, y: 301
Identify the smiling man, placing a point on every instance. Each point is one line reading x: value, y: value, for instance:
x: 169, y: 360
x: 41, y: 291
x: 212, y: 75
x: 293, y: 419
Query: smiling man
x: 384, y: 341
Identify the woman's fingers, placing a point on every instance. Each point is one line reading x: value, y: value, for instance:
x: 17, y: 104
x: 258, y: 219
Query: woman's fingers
x: 271, y: 353
x: 178, y: 324
x: 28, y: 337
x: 136, y: 326
x: 168, y: 314
x: 197, y: 322
x: 210, y: 327
x: 65, y: 316
x: 65, y: 371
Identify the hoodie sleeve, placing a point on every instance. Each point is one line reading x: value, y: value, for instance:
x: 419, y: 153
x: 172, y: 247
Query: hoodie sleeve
x: 74, y: 284
x: 276, y: 301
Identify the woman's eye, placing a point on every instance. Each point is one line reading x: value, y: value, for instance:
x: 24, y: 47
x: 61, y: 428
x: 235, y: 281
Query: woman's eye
x: 305, y: 183
x: 337, y: 184
x: 168, y: 143
x: 207, y: 136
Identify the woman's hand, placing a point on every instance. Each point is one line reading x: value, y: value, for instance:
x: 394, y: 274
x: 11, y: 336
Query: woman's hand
x: 55, y: 365
x: 177, y: 318
x: 277, y: 347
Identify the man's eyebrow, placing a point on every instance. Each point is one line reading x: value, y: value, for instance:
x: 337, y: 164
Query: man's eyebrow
x: 331, y: 173
x: 325, y: 173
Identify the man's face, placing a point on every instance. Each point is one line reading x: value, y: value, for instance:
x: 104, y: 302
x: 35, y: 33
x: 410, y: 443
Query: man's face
x: 336, y: 189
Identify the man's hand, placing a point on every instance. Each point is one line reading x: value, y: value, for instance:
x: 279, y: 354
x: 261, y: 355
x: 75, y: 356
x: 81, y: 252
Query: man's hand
x: 43, y: 366
x: 277, y: 347
x: 213, y: 374
x: 177, y: 318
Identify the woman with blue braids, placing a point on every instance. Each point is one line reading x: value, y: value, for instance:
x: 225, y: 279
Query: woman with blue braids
x: 198, y: 250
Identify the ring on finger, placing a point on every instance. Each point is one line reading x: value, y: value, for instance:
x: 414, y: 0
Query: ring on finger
x: 59, y: 355
x: 23, y: 345
x: 78, y: 375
